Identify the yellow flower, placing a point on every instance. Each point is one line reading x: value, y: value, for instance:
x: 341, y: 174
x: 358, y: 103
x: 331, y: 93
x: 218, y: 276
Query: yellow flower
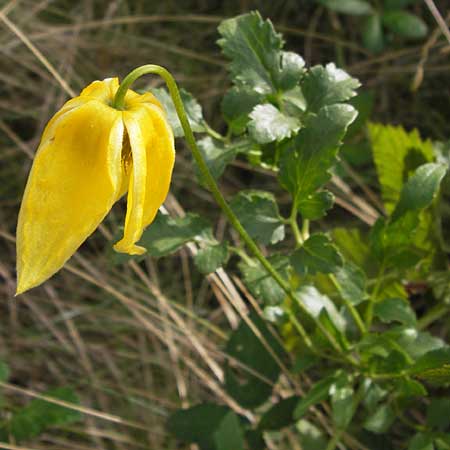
x: 90, y: 154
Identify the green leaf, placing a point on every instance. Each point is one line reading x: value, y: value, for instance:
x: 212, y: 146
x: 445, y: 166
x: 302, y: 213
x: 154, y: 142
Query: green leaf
x: 316, y: 394
x: 421, y: 441
x: 372, y: 34
x: 280, y: 415
x: 317, y: 254
x: 315, y: 302
x: 397, y: 154
x: 310, y: 436
x: 351, y: 245
x: 381, y: 420
x: 210, y: 258
x: 420, y: 189
x: 395, y: 309
x: 398, y: 4
x: 405, y: 24
x: 260, y: 283
x: 268, y: 124
x: 315, y: 206
x: 252, y: 387
x: 325, y: 86
x: 342, y: 402
x: 351, y: 283
x: 258, y: 213
x: 167, y: 234
x: 438, y: 413
x: 373, y: 394
x: 307, y: 158
x: 237, y: 104
x: 217, y: 156
x: 192, y: 107
x: 257, y: 61
x: 406, y: 387
x: 434, y: 366
x: 352, y: 7
x: 39, y: 415
x: 213, y: 427
x: 363, y: 103
x: 304, y: 361
x: 440, y: 284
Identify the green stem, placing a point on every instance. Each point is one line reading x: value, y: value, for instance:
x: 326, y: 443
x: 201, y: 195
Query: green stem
x: 294, y: 225
x: 353, y: 311
x: 372, y: 300
x: 119, y: 103
x: 305, y: 229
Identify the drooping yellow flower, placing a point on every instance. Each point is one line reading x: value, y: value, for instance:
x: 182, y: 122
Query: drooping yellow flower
x: 90, y: 154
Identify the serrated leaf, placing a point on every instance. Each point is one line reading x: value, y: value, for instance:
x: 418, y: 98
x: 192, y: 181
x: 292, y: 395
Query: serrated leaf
x: 395, y: 309
x: 211, y: 426
x: 325, y: 86
x: 397, y: 154
x: 210, y: 258
x: 39, y: 415
x: 315, y: 206
x: 421, y: 441
x: 405, y: 24
x: 307, y: 158
x: 260, y: 283
x: 257, y: 61
x: 167, y: 234
x: 268, y: 124
x: 434, y: 366
x: 237, y: 104
x: 372, y: 34
x: 381, y: 420
x: 351, y: 283
x: 192, y: 107
x: 317, y: 254
x: 258, y: 213
x: 216, y: 155
x: 247, y: 388
x: 280, y: 415
x: 316, y: 394
x: 352, y: 7
x: 420, y: 189
x: 314, y: 302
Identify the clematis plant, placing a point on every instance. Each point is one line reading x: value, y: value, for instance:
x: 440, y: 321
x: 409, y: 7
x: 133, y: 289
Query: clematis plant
x: 91, y: 153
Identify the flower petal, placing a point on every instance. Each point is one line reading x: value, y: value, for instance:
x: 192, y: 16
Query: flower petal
x: 153, y: 152
x: 72, y: 185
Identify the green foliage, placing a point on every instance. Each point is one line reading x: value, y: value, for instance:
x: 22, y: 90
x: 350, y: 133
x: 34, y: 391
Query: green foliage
x: 212, y: 427
x: 258, y: 213
x: 339, y: 302
x: 39, y: 415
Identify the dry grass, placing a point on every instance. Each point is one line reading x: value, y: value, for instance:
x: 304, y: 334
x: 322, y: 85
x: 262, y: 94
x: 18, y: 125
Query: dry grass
x: 137, y: 341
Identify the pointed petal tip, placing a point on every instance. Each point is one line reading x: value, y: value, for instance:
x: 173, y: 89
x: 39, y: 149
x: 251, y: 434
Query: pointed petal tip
x: 132, y: 249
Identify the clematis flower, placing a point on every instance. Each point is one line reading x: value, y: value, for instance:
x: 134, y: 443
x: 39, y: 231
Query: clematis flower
x: 90, y: 155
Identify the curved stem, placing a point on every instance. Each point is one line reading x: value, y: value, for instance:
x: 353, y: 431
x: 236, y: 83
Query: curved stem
x: 119, y: 103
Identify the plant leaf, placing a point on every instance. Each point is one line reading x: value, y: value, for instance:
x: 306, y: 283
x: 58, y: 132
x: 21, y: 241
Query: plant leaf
x: 396, y: 154
x: 252, y: 387
x: 372, y: 34
x: 260, y: 283
x: 315, y: 206
x: 317, y: 254
x: 279, y: 415
x: 192, y: 107
x: 258, y: 213
x: 421, y: 441
x: 257, y: 61
x: 38, y: 415
x: 167, y: 234
x: 433, y: 366
x: 307, y: 158
x: 352, y: 7
x: 325, y: 86
x: 395, y: 309
x: 342, y: 402
x: 351, y: 283
x: 268, y: 124
x: 381, y: 420
x: 211, y: 257
x: 213, y: 427
x: 405, y: 24
x: 316, y: 394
